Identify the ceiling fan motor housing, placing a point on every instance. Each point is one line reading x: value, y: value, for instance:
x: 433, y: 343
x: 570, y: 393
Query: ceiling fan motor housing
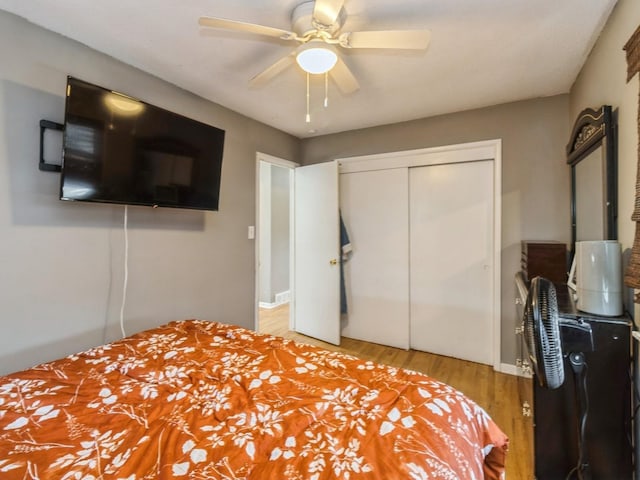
x: 303, y: 23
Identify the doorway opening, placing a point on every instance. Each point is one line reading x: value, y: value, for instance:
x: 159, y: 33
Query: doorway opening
x: 274, y: 244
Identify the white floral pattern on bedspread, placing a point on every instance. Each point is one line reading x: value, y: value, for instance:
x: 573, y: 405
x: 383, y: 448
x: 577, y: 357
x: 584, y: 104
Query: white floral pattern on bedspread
x: 204, y: 400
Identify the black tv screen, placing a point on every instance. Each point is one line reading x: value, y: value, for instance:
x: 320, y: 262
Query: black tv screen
x: 117, y: 149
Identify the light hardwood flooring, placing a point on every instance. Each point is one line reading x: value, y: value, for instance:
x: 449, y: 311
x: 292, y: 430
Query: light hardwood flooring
x: 498, y: 393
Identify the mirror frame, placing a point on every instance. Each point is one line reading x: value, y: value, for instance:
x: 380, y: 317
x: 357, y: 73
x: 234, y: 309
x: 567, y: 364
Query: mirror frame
x: 593, y: 129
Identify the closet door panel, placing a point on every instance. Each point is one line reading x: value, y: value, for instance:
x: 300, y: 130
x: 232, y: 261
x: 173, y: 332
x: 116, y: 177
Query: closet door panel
x: 374, y: 207
x: 451, y: 258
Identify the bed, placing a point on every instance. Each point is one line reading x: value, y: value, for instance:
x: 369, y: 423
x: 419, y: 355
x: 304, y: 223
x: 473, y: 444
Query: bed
x: 204, y: 400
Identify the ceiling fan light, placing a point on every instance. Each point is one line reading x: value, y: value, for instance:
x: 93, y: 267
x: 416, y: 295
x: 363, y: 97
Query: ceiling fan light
x: 317, y: 60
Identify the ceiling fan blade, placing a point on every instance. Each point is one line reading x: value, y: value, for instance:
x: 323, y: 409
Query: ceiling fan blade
x: 394, y: 39
x: 326, y: 12
x: 343, y: 77
x: 247, y: 27
x: 270, y: 72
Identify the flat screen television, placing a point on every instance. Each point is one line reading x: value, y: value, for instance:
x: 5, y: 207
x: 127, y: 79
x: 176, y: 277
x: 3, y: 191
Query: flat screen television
x: 117, y: 149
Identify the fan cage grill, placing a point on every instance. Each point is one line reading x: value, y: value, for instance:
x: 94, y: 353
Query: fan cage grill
x: 542, y: 333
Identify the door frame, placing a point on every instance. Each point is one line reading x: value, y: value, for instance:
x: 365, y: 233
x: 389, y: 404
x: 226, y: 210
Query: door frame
x: 280, y: 162
x: 457, y: 153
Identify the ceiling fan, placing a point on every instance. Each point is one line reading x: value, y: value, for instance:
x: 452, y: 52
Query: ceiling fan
x: 316, y: 26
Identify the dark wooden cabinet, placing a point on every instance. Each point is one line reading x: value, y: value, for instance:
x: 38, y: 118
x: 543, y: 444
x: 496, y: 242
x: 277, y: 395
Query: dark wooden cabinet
x: 608, y: 431
x: 544, y: 259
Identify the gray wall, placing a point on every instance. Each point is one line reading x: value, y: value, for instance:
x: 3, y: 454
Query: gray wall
x: 603, y: 80
x: 279, y: 229
x: 535, y: 177
x: 61, y: 263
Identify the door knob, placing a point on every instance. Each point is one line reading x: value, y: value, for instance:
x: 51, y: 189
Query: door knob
x: 333, y: 261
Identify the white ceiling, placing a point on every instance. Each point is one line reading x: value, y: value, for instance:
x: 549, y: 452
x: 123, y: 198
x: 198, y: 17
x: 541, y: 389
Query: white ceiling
x: 482, y: 52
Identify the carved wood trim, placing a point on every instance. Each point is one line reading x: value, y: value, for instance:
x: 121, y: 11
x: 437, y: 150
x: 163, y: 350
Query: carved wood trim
x: 588, y: 131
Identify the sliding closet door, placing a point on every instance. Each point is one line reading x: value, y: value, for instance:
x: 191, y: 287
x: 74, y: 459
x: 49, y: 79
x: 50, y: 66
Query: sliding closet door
x: 374, y: 206
x: 451, y: 258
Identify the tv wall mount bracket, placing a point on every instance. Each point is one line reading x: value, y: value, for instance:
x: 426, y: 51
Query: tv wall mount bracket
x: 48, y: 125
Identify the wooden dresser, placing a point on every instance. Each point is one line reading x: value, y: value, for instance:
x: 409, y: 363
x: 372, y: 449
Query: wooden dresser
x: 551, y: 413
x: 544, y: 259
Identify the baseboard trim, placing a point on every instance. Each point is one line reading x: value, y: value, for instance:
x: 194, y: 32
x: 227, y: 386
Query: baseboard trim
x: 282, y: 298
x: 510, y: 369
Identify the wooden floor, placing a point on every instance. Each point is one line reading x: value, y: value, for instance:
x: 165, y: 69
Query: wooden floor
x: 497, y: 393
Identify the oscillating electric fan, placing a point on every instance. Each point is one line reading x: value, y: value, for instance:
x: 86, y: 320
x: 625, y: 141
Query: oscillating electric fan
x: 549, y: 338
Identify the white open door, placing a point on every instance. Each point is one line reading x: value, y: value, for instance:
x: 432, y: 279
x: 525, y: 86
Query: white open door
x: 316, y: 301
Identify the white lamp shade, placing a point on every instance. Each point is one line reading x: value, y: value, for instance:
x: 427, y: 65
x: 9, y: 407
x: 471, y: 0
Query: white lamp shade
x: 316, y: 60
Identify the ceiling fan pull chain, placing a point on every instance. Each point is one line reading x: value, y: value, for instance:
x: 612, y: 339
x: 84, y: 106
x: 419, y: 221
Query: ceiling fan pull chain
x: 308, y: 117
x: 326, y: 89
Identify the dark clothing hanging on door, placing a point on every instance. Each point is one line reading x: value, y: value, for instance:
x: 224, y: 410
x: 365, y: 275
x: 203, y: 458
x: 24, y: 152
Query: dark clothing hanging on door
x: 345, y: 252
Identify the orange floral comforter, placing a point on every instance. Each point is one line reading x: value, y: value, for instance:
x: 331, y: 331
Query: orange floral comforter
x: 203, y: 400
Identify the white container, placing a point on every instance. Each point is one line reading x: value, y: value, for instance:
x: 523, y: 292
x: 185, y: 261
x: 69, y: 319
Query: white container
x: 597, y: 267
